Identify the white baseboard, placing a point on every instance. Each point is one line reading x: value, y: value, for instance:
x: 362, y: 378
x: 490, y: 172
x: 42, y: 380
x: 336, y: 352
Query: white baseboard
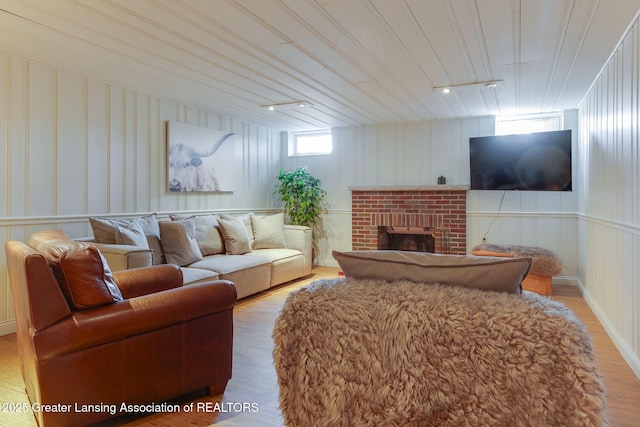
x: 327, y: 262
x: 623, y: 347
x: 7, y: 327
x: 565, y: 280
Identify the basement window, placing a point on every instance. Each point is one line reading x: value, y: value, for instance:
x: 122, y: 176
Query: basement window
x: 312, y: 143
x: 512, y: 125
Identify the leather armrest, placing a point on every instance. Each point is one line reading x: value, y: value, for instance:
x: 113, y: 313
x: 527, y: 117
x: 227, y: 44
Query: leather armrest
x: 107, y: 324
x: 142, y: 281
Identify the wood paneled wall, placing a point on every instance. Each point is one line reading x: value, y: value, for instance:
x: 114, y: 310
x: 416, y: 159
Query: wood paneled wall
x: 417, y: 154
x: 71, y: 147
x: 609, y: 209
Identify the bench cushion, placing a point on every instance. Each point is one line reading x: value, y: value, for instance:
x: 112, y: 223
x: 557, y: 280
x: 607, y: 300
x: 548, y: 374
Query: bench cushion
x: 493, y: 274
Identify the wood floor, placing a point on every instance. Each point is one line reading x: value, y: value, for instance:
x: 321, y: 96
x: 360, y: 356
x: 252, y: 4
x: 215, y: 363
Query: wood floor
x: 251, y: 398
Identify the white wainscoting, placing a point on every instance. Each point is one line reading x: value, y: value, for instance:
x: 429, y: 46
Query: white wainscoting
x: 557, y: 231
x: 552, y: 230
x: 335, y: 235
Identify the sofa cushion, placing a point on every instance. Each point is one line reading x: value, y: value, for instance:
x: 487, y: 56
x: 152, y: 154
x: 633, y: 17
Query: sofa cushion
x: 250, y: 273
x: 82, y: 273
x: 487, y: 273
x: 268, y: 231
x: 286, y: 264
x: 179, y: 241
x: 192, y: 275
x: 277, y: 254
x: 236, y: 238
x: 208, y: 235
x: 104, y: 231
x: 224, y: 264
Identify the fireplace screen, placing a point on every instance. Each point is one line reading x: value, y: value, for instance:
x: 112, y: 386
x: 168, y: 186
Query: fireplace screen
x: 417, y: 239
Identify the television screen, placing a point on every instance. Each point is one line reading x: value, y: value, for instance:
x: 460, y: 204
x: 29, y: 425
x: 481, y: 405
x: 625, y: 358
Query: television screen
x: 535, y: 161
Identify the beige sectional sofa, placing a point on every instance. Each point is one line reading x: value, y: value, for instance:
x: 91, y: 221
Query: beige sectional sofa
x: 255, y: 252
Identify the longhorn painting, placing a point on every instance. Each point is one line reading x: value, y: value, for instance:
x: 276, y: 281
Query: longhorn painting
x: 199, y: 159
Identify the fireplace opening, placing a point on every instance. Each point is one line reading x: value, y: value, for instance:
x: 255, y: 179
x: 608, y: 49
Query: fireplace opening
x: 416, y: 239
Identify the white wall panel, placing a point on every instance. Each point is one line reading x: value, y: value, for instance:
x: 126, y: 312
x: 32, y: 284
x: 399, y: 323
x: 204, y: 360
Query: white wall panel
x: 69, y: 181
x: 5, y: 106
x: 609, y: 237
x: 41, y: 119
x: 116, y: 154
x: 97, y: 150
x: 17, y: 130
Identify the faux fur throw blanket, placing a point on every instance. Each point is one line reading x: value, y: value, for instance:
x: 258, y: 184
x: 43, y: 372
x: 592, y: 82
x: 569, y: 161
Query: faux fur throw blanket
x: 373, y: 353
x: 545, y: 261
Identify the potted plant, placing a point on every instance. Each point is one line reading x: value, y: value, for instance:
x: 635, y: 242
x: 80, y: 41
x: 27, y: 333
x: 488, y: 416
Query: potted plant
x: 302, y: 197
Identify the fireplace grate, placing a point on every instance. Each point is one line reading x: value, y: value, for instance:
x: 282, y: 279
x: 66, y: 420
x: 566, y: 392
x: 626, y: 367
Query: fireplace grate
x: 416, y: 239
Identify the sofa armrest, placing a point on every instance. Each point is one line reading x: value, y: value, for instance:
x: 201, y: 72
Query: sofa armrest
x: 147, y: 280
x: 118, y: 321
x: 125, y: 257
x: 300, y: 238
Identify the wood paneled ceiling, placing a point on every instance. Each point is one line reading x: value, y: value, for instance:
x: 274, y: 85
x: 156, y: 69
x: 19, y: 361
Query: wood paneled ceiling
x: 357, y: 62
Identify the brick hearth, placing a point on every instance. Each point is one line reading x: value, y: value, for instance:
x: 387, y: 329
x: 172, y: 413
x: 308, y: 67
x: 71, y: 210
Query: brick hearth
x: 442, y: 208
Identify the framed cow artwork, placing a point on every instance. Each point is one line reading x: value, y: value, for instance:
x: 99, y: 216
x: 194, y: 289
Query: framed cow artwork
x: 199, y: 159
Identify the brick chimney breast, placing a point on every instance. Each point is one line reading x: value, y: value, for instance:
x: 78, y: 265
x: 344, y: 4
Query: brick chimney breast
x: 441, y: 208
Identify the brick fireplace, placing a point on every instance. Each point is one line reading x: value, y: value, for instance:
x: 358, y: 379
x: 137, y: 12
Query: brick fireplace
x: 441, y: 210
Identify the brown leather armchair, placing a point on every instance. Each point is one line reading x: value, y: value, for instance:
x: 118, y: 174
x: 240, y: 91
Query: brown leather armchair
x: 160, y: 341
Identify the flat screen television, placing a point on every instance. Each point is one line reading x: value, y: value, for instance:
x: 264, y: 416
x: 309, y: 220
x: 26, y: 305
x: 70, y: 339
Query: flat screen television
x: 535, y: 161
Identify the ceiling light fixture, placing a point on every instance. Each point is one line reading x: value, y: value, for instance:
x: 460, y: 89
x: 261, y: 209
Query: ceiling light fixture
x: 286, y: 105
x: 466, y: 86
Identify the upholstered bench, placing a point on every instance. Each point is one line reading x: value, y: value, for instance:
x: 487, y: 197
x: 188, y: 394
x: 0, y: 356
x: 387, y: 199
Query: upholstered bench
x: 545, y: 264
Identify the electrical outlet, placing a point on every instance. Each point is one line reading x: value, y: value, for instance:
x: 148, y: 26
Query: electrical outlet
x: 340, y: 235
x: 484, y: 240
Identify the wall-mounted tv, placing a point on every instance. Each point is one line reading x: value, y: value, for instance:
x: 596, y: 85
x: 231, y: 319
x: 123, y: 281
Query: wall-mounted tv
x: 535, y: 161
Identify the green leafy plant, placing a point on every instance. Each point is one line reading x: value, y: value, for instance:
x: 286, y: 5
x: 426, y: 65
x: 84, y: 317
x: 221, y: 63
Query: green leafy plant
x: 302, y: 197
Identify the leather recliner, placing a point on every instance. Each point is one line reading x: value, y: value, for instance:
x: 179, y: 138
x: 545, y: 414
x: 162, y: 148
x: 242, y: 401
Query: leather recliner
x: 160, y: 341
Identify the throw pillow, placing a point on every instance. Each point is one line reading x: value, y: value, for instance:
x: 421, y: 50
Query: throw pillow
x: 88, y: 278
x: 246, y: 219
x: 179, y: 241
x: 131, y: 234
x: 488, y: 273
x: 208, y: 234
x: 268, y: 231
x: 104, y: 231
x: 236, y: 238
x: 81, y: 271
